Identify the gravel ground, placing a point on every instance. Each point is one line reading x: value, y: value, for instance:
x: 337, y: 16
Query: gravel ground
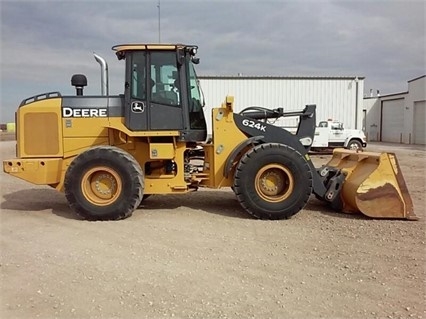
x: 200, y: 256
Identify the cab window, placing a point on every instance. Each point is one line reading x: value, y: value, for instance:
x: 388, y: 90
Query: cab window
x: 196, y: 101
x: 138, y: 79
x: 336, y: 126
x: 164, y: 79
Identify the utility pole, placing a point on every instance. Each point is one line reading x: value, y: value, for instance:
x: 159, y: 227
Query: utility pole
x: 159, y: 25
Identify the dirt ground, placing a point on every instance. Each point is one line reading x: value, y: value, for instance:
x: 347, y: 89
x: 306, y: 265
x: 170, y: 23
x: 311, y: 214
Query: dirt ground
x: 200, y: 256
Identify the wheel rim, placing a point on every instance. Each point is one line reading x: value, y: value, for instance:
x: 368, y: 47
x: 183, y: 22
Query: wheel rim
x: 101, y: 185
x: 354, y: 146
x: 274, y: 183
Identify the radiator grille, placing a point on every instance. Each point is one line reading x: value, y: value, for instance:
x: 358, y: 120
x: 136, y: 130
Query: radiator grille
x: 41, y: 133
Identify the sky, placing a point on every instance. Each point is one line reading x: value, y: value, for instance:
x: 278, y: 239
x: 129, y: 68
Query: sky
x: 43, y: 43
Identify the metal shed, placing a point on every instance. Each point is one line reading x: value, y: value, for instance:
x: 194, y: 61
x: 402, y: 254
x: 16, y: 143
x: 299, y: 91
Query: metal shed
x: 339, y: 98
x: 398, y: 117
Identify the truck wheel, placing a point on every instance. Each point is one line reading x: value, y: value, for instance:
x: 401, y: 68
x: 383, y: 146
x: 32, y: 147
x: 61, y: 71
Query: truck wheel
x: 354, y: 145
x: 273, y: 181
x: 104, y: 183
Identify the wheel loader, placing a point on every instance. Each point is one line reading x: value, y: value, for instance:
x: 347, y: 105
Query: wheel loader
x: 107, y: 153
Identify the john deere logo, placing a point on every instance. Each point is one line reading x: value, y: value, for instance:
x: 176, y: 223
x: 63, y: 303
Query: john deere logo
x: 86, y: 112
x: 138, y: 107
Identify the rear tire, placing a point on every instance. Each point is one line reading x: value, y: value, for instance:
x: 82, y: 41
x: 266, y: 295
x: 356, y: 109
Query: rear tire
x: 104, y: 183
x: 354, y: 145
x: 273, y: 181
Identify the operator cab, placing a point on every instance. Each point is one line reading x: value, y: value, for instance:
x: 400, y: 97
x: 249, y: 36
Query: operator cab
x: 162, y: 92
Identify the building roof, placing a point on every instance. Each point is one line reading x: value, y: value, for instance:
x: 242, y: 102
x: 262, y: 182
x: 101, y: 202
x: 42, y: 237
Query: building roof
x: 417, y: 78
x: 267, y: 77
x: 393, y: 94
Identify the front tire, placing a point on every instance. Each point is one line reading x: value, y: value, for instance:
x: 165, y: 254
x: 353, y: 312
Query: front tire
x: 273, y: 181
x: 104, y: 183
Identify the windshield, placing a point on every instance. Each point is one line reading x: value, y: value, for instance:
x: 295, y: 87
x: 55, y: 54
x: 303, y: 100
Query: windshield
x: 196, y: 101
x: 196, y: 94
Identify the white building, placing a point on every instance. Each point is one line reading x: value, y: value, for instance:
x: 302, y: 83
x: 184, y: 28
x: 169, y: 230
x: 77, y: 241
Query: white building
x: 337, y: 98
x: 399, y: 117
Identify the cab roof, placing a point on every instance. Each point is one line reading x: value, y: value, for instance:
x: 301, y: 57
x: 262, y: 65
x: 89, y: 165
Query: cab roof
x: 121, y: 49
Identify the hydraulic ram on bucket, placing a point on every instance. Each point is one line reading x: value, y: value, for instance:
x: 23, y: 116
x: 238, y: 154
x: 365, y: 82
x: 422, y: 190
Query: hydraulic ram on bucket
x: 370, y: 183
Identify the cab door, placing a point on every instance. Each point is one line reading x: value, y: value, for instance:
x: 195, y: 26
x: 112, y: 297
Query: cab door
x: 165, y: 97
x: 153, y: 100
x: 136, y: 98
x: 337, y: 137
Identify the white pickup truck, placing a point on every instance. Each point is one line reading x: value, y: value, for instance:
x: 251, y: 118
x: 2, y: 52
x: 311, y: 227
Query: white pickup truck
x: 331, y: 134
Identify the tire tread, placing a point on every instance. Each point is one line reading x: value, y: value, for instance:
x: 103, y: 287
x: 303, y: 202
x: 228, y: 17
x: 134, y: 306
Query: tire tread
x: 99, y: 152
x: 239, y: 188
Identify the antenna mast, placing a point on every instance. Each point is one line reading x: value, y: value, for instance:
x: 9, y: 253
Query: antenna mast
x: 159, y: 26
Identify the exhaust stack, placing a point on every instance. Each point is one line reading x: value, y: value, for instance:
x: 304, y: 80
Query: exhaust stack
x: 104, y: 74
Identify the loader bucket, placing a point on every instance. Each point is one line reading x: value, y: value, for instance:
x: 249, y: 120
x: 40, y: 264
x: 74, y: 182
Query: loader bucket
x: 374, y: 185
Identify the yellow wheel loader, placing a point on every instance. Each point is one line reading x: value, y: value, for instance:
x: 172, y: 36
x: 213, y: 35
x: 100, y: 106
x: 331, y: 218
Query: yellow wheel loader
x: 108, y: 153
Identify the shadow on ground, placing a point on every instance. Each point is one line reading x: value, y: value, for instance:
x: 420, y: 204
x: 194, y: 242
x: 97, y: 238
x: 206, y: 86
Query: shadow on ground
x: 324, y: 208
x: 215, y: 202
x: 38, y: 199
x: 218, y: 202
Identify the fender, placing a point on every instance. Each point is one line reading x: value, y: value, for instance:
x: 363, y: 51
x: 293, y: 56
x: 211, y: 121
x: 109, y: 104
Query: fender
x: 270, y: 133
x: 347, y: 139
x: 228, y: 165
x: 274, y: 134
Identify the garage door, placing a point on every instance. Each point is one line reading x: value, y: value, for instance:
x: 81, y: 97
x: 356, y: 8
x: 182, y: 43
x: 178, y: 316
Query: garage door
x: 392, y: 120
x: 419, y: 122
